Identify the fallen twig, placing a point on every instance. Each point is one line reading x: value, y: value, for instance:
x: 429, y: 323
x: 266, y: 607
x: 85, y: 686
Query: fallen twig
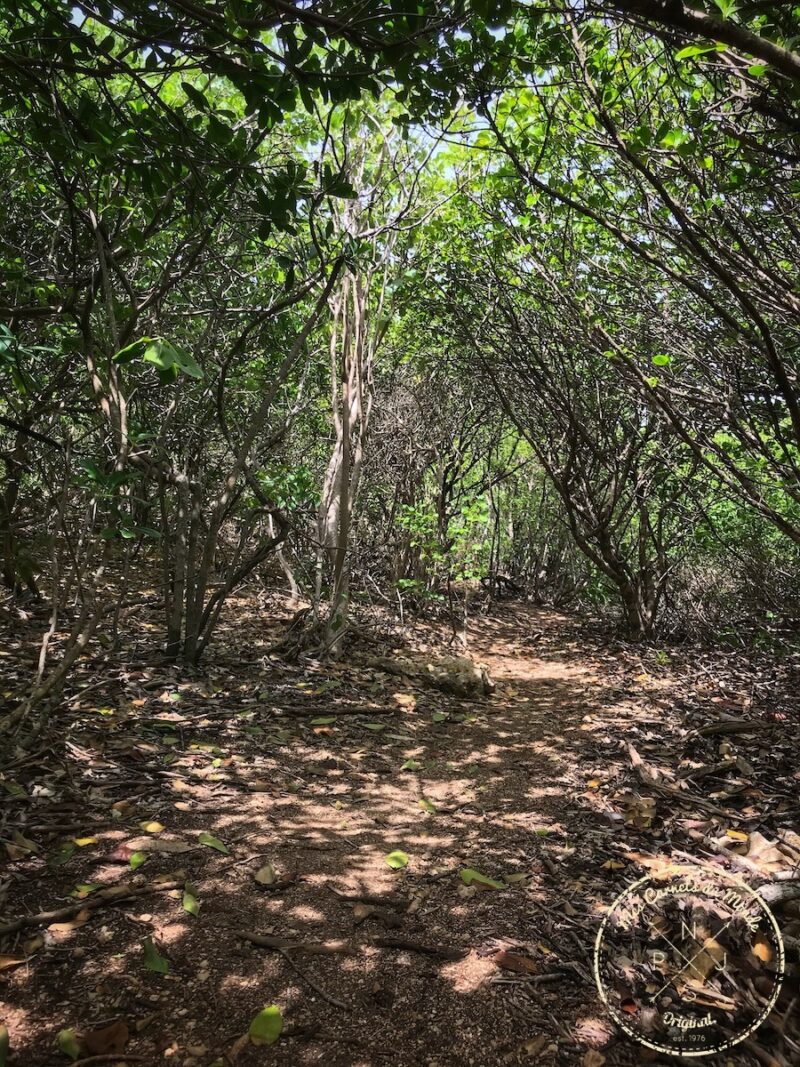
x: 728, y: 726
x: 112, y: 1057
x: 780, y: 892
x: 312, y: 948
x: 705, y: 772
x: 650, y: 781
x: 530, y: 979
x: 301, y: 711
x: 415, y: 946
x: 373, y: 911
x: 285, y: 948
x: 310, y: 981
x: 392, y: 900
x: 112, y: 895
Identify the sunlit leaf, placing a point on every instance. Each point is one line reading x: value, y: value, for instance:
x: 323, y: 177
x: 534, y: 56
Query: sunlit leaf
x: 469, y: 876
x: 8, y: 963
x: 212, y: 842
x: 83, y: 889
x: 66, y: 927
x: 266, y: 875
x: 266, y: 1027
x: 190, y: 901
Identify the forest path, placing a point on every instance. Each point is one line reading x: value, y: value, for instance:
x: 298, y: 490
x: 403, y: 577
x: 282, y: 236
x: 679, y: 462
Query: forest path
x: 313, y: 774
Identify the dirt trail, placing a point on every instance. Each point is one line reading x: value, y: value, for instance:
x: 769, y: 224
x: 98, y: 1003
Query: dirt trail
x: 322, y: 772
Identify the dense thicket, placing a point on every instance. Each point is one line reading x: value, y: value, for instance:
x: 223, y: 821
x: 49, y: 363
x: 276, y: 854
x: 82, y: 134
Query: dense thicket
x: 372, y: 300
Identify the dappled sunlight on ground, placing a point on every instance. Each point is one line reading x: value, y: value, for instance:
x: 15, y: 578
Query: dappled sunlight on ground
x: 282, y: 770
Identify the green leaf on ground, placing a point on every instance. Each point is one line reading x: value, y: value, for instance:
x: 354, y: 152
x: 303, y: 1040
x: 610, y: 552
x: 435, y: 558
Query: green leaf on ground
x: 137, y: 859
x: 83, y: 889
x: 190, y: 901
x: 67, y: 1042
x: 266, y: 1028
x: 323, y: 720
x: 396, y: 860
x: 212, y: 842
x: 153, y: 961
x: 410, y: 765
x: 469, y: 876
x: 63, y: 855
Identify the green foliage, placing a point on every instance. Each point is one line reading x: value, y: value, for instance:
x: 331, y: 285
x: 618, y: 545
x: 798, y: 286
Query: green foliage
x: 588, y: 295
x: 289, y: 487
x: 168, y: 360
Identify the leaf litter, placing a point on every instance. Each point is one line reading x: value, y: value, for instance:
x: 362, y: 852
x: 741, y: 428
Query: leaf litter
x: 577, y: 774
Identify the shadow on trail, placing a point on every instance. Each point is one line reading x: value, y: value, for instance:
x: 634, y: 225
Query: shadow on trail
x: 505, y: 786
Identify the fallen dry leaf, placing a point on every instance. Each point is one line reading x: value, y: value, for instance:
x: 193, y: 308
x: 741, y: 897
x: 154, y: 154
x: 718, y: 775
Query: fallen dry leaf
x: 81, y: 919
x: 762, y: 949
x: 266, y: 875
x: 110, y: 1040
x: 530, y: 1048
x: 8, y: 962
x: 510, y: 961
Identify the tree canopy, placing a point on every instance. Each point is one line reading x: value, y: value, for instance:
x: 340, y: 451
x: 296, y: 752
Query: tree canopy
x: 571, y: 226
x: 324, y: 324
